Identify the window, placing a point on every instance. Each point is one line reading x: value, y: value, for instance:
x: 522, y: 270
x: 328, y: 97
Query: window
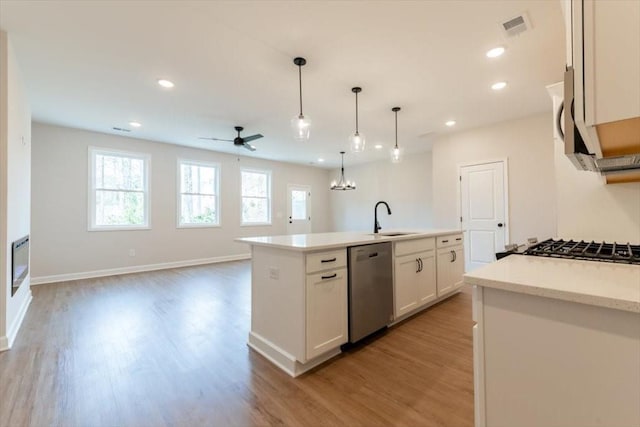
x: 256, y: 197
x: 198, y: 201
x: 119, y: 190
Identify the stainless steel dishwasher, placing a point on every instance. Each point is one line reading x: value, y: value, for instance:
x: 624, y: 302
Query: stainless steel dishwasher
x: 370, y: 289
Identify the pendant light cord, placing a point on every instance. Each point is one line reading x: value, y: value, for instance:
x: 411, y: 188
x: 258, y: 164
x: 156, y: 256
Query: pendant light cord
x: 356, y: 113
x: 300, y: 82
x: 396, y: 129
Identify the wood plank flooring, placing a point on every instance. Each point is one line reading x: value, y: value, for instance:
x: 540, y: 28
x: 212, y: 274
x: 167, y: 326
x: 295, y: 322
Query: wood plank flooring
x: 169, y: 348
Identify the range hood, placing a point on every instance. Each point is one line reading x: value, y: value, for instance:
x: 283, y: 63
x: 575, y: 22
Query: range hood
x: 619, y: 142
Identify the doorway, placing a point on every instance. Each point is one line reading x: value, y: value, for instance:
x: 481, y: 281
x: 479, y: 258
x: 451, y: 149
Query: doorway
x: 483, y: 211
x: 298, y: 209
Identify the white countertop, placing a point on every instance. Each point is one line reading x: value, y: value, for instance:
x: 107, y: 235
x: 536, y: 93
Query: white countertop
x: 318, y: 241
x: 589, y: 282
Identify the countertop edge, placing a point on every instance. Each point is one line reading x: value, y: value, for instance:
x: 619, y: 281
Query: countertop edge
x: 595, y: 300
x: 345, y: 244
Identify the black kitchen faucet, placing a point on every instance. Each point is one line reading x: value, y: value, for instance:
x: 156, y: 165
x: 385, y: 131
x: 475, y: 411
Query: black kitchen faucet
x: 376, y: 224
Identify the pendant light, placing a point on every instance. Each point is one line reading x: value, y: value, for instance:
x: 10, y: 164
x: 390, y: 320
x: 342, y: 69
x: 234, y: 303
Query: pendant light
x: 396, y: 152
x: 356, y: 141
x: 343, y: 184
x: 300, y: 124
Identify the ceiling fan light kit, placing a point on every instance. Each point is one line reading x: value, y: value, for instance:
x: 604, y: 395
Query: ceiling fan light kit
x: 300, y: 124
x: 396, y: 152
x: 342, y: 184
x: 357, y: 140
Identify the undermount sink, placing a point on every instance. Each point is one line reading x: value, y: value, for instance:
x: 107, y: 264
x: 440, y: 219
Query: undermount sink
x: 394, y: 233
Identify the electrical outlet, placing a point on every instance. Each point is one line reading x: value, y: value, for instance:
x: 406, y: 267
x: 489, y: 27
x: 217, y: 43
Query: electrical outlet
x: 132, y: 252
x: 274, y: 273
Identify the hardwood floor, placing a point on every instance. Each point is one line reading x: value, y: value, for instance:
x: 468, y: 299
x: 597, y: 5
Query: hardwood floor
x: 169, y: 348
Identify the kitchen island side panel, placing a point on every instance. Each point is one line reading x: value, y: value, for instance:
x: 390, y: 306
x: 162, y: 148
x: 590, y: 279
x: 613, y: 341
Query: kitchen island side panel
x: 554, y: 362
x: 278, y: 298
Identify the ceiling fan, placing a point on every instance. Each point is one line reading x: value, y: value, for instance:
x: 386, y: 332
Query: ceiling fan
x: 239, y: 141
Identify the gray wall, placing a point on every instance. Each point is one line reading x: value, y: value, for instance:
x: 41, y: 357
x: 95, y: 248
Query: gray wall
x: 15, y: 186
x: 406, y: 186
x: 61, y: 244
x: 527, y: 144
x: 591, y: 210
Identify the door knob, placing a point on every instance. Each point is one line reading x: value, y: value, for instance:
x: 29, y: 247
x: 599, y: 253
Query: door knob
x: 500, y: 224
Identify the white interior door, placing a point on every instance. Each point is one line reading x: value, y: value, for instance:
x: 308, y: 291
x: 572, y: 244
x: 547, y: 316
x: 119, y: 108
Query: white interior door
x: 483, y: 212
x: 298, y: 209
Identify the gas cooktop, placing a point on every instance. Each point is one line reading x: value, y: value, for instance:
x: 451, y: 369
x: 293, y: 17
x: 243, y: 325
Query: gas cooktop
x: 624, y: 253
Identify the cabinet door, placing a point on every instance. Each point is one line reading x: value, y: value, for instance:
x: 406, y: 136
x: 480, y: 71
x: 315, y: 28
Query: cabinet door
x: 450, y: 269
x: 406, y: 284
x: 327, y: 322
x: 426, y: 277
x: 457, y: 267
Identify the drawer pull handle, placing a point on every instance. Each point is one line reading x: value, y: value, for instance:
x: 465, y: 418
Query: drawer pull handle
x: 330, y: 276
x: 328, y: 260
x: 458, y: 238
x: 375, y: 254
x: 445, y: 241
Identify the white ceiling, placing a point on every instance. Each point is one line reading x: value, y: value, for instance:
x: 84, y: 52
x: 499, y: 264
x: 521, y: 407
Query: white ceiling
x: 94, y: 65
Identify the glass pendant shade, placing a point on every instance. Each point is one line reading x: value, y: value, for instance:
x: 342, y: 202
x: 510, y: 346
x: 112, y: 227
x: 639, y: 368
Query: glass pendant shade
x: 397, y: 154
x: 356, y: 142
x: 301, y: 127
x: 300, y: 124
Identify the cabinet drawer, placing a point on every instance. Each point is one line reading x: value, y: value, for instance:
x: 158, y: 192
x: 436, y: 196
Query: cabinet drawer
x: 449, y: 240
x: 406, y: 247
x: 326, y: 260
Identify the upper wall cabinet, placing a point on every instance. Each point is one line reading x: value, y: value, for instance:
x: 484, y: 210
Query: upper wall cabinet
x: 603, y: 46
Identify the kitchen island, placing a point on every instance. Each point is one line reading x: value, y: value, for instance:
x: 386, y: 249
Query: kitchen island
x: 557, y: 342
x: 299, y: 288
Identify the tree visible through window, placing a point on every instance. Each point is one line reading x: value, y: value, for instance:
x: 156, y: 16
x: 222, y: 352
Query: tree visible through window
x: 256, y: 197
x: 198, y: 194
x: 119, y: 190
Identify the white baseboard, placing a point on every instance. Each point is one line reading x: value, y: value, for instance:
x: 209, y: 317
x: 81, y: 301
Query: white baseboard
x: 284, y: 360
x: 135, y: 269
x: 12, y: 332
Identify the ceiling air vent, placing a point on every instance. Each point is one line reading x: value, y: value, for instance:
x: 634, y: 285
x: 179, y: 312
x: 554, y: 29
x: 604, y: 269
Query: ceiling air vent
x: 516, y: 25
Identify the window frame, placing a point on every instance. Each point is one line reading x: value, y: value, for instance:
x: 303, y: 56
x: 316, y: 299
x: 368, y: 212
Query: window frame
x: 269, y: 197
x: 218, y: 173
x: 146, y: 158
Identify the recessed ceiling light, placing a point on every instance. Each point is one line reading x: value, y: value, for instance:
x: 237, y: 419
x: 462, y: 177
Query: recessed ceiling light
x: 450, y: 123
x: 499, y: 85
x: 495, y: 52
x: 320, y: 160
x: 378, y: 146
x: 166, y: 83
x: 134, y: 124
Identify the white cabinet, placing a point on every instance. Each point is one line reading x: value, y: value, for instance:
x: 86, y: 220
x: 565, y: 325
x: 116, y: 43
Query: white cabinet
x: 539, y: 361
x: 327, y: 321
x: 450, y: 268
x: 604, y: 43
x: 414, y: 275
x: 611, y: 43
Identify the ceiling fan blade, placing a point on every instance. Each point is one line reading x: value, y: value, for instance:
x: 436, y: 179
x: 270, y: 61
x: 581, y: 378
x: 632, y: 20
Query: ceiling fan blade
x: 216, y: 139
x: 252, y: 137
x: 249, y: 147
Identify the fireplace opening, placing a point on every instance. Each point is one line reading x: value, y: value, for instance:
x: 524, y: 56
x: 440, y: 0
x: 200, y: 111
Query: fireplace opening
x: 20, y: 263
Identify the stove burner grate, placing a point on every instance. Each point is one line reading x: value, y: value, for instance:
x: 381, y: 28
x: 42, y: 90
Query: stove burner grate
x: 623, y: 253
